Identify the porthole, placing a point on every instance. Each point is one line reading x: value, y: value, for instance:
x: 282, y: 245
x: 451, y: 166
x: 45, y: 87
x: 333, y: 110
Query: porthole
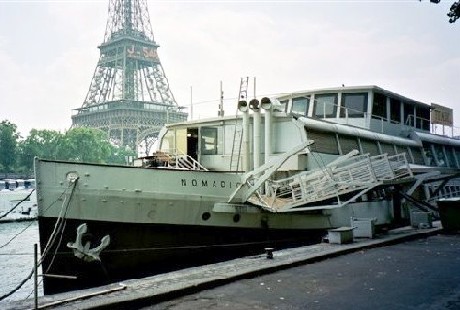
x: 236, y: 218
x: 205, y: 216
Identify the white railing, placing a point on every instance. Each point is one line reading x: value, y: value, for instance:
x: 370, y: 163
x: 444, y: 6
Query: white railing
x: 354, y: 174
x: 176, y: 159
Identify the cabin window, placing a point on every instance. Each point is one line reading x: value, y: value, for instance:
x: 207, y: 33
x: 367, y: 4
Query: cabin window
x: 387, y: 148
x: 167, y: 144
x: 422, y: 119
x: 417, y: 155
x: 402, y: 149
x: 325, y: 142
x: 440, y: 156
x: 395, y: 111
x: 284, y: 103
x: 379, y: 106
x: 208, y: 141
x: 409, y: 114
x: 354, y: 105
x: 181, y: 141
x: 427, y: 150
x: 370, y: 146
x: 325, y: 105
x: 300, y: 105
x: 450, y: 156
x: 348, y: 144
x: 457, y: 154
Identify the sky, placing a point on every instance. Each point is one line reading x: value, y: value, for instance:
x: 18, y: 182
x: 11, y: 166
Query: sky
x: 48, y: 52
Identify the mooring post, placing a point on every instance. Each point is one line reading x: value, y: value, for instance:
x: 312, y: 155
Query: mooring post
x: 35, y: 277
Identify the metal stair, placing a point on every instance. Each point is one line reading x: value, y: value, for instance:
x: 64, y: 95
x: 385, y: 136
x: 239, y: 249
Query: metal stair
x: 355, y: 174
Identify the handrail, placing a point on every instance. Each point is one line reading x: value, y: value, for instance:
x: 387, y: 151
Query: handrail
x: 176, y: 159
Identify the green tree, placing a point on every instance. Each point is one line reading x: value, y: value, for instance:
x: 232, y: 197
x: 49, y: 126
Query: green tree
x: 454, y: 12
x: 84, y: 144
x: 120, y: 154
x: 8, y: 145
x: 41, y: 143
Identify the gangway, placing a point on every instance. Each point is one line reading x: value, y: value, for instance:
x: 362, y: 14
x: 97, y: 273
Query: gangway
x: 351, y: 174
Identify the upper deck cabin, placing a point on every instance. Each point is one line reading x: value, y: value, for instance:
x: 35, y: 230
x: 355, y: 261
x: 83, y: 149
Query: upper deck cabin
x: 368, y: 119
x: 369, y: 107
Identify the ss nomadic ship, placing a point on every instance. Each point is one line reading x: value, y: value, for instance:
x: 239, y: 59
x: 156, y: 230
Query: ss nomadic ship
x: 280, y: 172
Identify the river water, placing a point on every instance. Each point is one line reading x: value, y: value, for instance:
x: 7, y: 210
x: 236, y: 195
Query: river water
x: 17, y: 241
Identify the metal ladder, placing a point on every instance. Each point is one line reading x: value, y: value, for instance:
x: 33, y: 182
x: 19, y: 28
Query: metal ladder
x: 238, y: 130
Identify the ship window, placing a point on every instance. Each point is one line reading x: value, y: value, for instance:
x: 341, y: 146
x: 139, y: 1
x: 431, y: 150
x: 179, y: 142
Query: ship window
x: 409, y: 114
x: 181, y: 140
x: 387, y: 148
x: 395, y: 111
x: 205, y: 216
x: 167, y: 144
x: 355, y: 105
x: 451, y: 156
x: 417, y: 155
x: 379, y: 106
x: 457, y: 154
x: 325, y: 142
x: 402, y: 149
x: 348, y: 144
x: 429, y: 155
x: 209, y: 141
x: 422, y: 120
x: 440, y: 156
x: 300, y: 105
x: 325, y: 105
x: 370, y: 146
x: 284, y: 103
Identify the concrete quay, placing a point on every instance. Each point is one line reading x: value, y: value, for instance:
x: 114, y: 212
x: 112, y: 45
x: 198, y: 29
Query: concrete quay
x: 137, y: 293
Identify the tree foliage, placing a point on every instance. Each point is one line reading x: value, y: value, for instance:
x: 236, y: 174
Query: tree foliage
x: 454, y: 12
x: 8, y: 145
x: 77, y: 144
x: 84, y: 144
x: 40, y: 143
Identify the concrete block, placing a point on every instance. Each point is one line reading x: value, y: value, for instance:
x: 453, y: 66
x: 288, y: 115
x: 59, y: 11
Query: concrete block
x: 420, y: 219
x: 363, y: 227
x: 340, y: 235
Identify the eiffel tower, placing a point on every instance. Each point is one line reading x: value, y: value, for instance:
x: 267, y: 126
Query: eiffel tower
x: 129, y: 96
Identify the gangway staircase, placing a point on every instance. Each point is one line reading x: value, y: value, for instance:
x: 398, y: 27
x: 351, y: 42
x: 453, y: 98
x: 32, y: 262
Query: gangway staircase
x: 238, y: 130
x: 351, y: 174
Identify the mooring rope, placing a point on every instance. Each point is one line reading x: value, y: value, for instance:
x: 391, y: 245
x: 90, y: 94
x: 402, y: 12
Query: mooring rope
x: 58, y: 229
x: 12, y: 209
x: 15, y: 236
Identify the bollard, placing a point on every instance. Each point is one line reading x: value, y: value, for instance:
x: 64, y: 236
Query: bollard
x: 269, y: 252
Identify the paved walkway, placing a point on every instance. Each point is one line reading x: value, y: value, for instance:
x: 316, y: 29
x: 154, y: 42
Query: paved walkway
x: 142, y: 292
x: 422, y: 274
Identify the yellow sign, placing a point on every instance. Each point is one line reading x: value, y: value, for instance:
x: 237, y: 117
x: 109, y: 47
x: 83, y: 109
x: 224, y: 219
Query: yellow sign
x: 441, y: 115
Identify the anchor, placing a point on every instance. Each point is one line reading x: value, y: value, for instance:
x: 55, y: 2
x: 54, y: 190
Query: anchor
x: 84, y: 251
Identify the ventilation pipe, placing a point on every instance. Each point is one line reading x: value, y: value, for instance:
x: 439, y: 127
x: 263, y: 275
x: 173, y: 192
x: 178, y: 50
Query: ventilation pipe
x: 254, y: 105
x: 266, y: 104
x: 243, y: 108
